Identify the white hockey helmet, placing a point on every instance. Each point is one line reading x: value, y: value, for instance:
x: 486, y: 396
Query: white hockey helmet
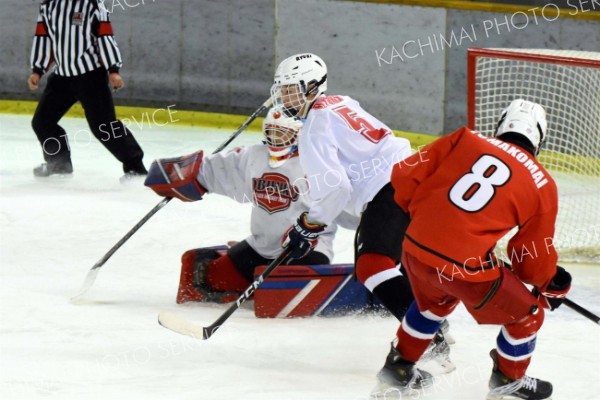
x: 281, y: 135
x: 525, y: 118
x: 297, y: 77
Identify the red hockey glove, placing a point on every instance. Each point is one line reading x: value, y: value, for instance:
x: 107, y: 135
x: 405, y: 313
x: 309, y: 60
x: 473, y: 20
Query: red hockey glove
x: 554, y: 295
x: 302, y: 237
x: 177, y: 177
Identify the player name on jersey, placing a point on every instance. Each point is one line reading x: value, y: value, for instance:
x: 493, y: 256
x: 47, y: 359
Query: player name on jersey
x: 538, y: 176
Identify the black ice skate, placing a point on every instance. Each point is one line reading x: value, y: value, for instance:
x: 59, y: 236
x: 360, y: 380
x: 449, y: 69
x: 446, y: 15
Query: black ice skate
x: 60, y: 169
x: 439, y: 351
x: 398, y: 377
x: 502, y: 387
x: 134, y: 173
x: 445, y: 329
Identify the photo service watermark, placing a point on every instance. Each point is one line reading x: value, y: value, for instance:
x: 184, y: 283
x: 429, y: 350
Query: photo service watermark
x: 153, y: 353
x: 274, y: 191
x: 445, y: 383
x: 535, y: 250
x: 467, y: 35
x: 111, y: 131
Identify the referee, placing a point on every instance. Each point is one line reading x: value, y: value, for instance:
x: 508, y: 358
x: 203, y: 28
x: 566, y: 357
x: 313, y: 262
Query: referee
x: 76, y: 35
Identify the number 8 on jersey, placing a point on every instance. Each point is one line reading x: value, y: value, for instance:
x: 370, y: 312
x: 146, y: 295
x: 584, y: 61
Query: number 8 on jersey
x: 474, y: 190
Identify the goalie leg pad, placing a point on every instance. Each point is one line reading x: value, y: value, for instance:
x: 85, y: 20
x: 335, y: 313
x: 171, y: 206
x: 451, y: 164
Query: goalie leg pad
x: 177, y: 177
x: 223, y: 276
x: 310, y: 290
x: 192, y: 281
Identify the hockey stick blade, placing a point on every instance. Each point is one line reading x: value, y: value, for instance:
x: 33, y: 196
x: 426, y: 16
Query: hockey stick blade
x: 181, y: 325
x: 178, y: 324
x: 93, y: 273
x: 90, y: 278
x: 588, y: 314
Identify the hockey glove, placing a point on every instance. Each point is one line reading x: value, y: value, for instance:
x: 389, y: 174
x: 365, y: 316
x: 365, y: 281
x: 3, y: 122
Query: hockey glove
x: 554, y: 294
x: 177, y: 177
x: 302, y: 237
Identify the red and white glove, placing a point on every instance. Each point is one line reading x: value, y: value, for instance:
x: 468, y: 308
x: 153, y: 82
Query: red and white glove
x: 302, y: 237
x: 555, y: 293
x: 177, y: 177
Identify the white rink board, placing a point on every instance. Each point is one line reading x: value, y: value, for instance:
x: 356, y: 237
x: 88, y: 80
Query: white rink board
x: 112, y: 347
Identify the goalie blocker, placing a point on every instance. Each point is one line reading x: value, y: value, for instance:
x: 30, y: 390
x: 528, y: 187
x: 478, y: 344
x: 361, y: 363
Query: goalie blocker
x: 295, y: 290
x: 177, y: 177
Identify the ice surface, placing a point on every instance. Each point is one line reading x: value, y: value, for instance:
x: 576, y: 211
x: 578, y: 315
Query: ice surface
x: 111, y: 347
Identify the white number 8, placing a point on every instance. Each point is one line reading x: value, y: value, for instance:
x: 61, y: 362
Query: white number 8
x: 476, y: 189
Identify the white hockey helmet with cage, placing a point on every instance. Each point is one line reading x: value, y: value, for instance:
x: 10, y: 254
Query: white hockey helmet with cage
x: 297, y: 77
x: 281, y: 136
x: 525, y: 118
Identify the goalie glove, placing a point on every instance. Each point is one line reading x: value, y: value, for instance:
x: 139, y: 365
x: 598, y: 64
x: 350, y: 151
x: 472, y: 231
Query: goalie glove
x: 302, y: 237
x: 555, y: 293
x: 177, y: 177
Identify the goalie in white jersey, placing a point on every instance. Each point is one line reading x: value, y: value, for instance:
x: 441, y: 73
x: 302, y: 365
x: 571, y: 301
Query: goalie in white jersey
x: 268, y: 175
x: 347, y: 155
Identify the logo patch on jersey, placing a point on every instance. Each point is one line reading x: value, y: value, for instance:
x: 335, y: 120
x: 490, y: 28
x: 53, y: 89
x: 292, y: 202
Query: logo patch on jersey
x: 273, y: 192
x: 77, y: 19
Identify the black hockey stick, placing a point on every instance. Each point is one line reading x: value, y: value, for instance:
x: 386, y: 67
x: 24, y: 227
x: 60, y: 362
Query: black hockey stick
x: 91, y: 276
x: 588, y: 314
x: 181, y: 325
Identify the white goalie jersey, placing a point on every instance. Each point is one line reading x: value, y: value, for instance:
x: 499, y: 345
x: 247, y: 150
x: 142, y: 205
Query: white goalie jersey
x: 347, y: 156
x: 279, y: 195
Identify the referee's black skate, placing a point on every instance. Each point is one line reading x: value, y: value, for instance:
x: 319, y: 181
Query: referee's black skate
x: 398, y: 377
x: 47, y: 169
x: 134, y: 173
x: 502, y: 387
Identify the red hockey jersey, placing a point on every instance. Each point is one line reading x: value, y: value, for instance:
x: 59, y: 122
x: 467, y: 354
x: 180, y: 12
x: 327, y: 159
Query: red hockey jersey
x: 464, y: 192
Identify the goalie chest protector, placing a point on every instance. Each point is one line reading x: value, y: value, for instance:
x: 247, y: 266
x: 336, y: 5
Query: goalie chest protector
x: 308, y: 290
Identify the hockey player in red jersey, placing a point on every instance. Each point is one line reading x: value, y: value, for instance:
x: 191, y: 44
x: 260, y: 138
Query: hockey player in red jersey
x: 463, y: 193
x: 269, y: 176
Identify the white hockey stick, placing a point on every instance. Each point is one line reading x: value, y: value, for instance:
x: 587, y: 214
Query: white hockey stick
x: 93, y: 273
x: 182, y: 326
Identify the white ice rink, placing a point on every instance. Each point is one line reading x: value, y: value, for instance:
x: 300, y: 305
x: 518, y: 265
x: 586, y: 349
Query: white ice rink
x: 112, y: 347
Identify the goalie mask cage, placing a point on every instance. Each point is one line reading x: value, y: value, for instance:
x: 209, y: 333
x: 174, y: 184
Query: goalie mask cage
x: 567, y: 85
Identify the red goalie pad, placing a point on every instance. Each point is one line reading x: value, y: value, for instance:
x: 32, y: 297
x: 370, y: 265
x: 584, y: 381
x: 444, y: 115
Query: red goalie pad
x: 177, y: 177
x: 308, y: 290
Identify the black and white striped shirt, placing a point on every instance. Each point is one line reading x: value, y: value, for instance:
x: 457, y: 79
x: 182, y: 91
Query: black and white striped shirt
x: 76, y: 35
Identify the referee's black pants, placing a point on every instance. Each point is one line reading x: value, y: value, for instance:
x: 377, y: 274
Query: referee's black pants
x: 91, y: 89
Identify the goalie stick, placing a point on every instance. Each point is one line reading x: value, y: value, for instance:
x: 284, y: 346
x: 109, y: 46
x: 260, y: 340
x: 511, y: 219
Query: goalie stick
x: 181, y: 325
x: 93, y: 272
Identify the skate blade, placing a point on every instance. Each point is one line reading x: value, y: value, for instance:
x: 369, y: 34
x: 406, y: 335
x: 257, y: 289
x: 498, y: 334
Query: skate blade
x: 439, y: 363
x: 449, y: 338
x: 54, y: 177
x: 495, y: 396
x: 445, y: 364
x: 384, y: 391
